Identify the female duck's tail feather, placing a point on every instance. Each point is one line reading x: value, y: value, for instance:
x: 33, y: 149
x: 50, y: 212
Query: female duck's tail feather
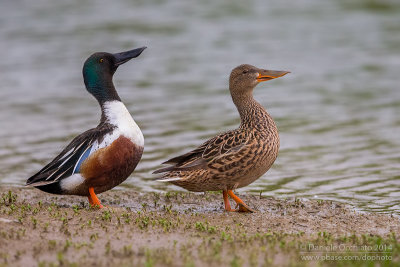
x: 169, y: 179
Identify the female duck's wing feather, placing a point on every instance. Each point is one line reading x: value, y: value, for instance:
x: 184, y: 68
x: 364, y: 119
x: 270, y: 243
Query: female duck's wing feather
x: 217, y: 149
x: 69, y: 160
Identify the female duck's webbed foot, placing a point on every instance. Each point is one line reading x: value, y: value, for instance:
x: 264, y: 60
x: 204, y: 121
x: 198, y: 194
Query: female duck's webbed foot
x: 93, y: 200
x: 242, y: 206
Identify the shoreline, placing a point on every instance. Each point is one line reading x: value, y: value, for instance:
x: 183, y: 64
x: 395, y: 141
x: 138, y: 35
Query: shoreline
x: 184, y: 229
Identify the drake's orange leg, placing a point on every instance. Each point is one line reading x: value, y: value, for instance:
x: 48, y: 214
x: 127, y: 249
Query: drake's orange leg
x: 95, y: 200
x: 90, y: 200
x: 242, y: 207
x: 226, y: 201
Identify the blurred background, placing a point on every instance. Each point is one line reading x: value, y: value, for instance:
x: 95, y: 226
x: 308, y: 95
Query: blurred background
x: 338, y: 112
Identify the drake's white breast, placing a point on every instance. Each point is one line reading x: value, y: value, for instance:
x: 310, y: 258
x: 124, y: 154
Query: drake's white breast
x: 117, y: 114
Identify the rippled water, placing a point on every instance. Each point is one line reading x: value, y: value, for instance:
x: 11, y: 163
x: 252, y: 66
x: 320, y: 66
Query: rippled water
x: 338, y: 112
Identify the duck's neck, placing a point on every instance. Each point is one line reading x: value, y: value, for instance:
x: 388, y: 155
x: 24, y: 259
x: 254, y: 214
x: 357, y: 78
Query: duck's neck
x: 104, y: 92
x: 252, y: 113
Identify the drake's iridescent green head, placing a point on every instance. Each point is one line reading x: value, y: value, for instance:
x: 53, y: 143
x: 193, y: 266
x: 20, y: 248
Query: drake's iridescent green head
x: 99, y: 69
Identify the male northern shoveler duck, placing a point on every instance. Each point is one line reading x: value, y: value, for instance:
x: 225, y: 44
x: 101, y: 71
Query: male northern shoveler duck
x: 235, y: 158
x: 100, y: 158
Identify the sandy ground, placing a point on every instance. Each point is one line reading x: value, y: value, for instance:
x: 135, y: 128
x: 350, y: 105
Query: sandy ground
x: 187, y: 229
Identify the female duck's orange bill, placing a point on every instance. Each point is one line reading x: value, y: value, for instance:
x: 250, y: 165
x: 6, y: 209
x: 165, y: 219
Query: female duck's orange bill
x: 266, y: 75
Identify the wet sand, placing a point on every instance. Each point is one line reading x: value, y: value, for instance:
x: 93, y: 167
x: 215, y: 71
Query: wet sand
x: 187, y: 229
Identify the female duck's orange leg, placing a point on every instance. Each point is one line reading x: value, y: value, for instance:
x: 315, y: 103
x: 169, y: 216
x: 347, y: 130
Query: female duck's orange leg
x: 242, y: 207
x: 226, y: 201
x: 95, y: 200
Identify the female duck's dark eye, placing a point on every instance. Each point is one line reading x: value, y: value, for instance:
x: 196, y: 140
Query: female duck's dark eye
x: 245, y: 71
x: 101, y: 60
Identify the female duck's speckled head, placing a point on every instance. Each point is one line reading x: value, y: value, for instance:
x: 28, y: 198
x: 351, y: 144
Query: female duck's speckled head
x: 99, y: 69
x: 245, y: 77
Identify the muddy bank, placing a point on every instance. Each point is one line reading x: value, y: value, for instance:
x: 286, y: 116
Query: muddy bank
x: 186, y: 229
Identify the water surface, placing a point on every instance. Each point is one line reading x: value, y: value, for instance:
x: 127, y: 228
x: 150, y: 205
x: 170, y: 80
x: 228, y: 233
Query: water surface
x: 338, y: 112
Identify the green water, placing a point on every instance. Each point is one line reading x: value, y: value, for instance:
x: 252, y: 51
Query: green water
x: 338, y: 112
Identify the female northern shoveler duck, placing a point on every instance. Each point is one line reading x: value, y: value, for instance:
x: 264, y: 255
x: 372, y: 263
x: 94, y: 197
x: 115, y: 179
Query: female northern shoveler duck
x: 235, y: 158
x: 100, y: 158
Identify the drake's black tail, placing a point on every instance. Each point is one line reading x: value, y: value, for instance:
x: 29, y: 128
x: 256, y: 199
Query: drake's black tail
x: 53, y: 188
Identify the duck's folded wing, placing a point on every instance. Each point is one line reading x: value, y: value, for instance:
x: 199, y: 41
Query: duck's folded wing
x: 229, y: 151
x: 67, y: 162
x: 218, y: 149
x: 190, y: 159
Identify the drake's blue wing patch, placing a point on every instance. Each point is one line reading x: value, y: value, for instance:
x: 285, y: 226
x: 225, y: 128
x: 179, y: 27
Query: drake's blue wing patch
x: 85, y: 155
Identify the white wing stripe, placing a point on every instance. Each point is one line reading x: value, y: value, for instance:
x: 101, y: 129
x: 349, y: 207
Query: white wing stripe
x: 68, y: 153
x: 55, y: 179
x: 169, y: 179
x: 66, y: 160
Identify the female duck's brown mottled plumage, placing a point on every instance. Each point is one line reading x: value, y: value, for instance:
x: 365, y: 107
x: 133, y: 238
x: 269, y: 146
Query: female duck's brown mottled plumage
x: 235, y: 158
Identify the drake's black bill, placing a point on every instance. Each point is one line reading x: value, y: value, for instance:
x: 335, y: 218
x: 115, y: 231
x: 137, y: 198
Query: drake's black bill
x: 121, y: 58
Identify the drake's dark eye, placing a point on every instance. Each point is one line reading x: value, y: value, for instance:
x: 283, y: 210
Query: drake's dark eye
x: 101, y: 60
